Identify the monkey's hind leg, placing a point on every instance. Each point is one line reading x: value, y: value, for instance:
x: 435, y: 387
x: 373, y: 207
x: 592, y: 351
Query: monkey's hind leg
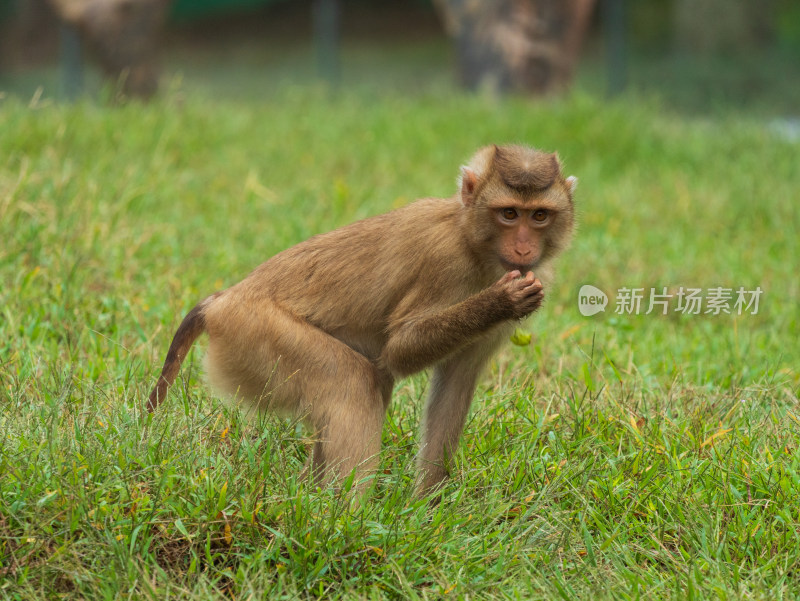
x: 348, y: 406
x: 277, y: 361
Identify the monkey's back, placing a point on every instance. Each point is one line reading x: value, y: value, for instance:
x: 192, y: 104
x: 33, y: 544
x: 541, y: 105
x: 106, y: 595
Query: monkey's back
x: 353, y: 281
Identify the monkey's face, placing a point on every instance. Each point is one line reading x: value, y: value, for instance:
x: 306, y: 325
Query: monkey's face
x: 519, y: 203
x: 520, y: 240
x: 529, y: 231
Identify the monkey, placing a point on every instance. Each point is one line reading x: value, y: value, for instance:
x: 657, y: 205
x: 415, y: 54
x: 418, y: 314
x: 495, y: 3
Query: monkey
x: 322, y: 330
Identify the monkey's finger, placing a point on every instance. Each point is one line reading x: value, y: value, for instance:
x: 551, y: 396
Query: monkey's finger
x: 535, y: 299
x: 526, y: 287
x: 529, y: 285
x: 510, y: 277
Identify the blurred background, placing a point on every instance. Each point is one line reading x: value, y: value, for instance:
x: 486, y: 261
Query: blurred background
x: 695, y: 55
x: 154, y: 151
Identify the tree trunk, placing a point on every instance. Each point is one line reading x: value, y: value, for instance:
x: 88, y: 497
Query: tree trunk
x: 123, y: 36
x: 529, y: 46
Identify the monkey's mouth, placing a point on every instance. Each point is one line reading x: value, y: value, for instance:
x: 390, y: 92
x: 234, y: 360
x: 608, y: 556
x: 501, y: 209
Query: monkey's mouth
x: 523, y: 269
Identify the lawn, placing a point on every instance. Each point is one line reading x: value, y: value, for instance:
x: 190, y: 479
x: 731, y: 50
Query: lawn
x: 617, y: 456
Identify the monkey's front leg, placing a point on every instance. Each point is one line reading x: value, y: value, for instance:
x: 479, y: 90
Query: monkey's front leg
x: 446, y: 408
x: 417, y: 342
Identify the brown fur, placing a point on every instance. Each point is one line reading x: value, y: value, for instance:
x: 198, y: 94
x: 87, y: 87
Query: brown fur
x: 526, y: 170
x: 323, y: 329
x: 191, y: 327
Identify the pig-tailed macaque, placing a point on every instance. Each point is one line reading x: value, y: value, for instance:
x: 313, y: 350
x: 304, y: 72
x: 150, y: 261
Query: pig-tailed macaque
x: 322, y: 330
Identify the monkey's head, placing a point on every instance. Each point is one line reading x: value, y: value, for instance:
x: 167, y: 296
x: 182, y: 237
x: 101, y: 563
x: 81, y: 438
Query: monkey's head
x: 518, y: 206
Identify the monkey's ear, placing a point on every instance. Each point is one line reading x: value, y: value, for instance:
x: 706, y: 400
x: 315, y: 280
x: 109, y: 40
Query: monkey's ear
x: 572, y: 182
x: 469, y: 181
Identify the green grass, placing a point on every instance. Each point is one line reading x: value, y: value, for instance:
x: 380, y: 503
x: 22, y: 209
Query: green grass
x: 616, y: 457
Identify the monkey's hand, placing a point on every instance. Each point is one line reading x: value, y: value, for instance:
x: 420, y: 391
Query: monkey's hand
x: 522, y: 295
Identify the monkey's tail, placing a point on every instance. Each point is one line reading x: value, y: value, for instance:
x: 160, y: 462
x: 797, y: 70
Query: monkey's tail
x: 191, y: 327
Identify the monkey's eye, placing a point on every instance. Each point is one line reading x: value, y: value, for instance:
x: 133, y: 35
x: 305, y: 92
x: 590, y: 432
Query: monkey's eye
x: 540, y: 216
x: 509, y: 214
